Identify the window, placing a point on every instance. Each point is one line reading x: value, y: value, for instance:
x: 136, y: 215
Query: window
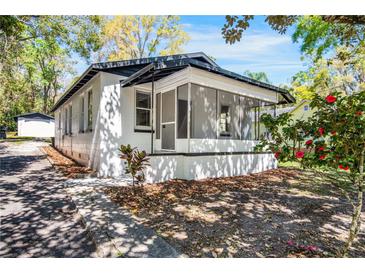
x: 65, y: 123
x: 203, y: 112
x: 158, y: 116
x: 306, y: 108
x: 82, y: 114
x: 143, y: 109
x: 70, y: 120
x: 59, y: 121
x: 90, y: 110
x: 224, y: 121
x: 182, y: 111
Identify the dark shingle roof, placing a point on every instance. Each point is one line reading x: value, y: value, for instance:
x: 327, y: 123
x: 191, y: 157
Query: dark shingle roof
x: 34, y: 115
x: 159, y: 67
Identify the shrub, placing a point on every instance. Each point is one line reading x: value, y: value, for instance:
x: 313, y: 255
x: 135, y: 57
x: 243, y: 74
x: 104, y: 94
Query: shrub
x: 136, y: 162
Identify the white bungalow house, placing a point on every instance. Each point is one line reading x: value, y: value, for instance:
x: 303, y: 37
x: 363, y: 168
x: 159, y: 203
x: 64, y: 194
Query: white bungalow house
x: 36, y: 125
x: 195, y: 119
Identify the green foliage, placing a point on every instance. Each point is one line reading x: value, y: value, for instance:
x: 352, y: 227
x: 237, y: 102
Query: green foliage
x: 36, y: 56
x: 342, y: 72
x: 259, y: 76
x: 341, y: 142
x: 136, y: 162
x: 127, y: 37
x: 333, y: 138
x: 317, y: 34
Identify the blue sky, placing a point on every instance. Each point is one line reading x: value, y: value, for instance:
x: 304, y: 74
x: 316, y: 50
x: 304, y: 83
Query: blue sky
x: 260, y: 49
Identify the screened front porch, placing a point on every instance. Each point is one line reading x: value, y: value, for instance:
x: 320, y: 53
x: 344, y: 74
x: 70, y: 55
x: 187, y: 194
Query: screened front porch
x: 193, y: 118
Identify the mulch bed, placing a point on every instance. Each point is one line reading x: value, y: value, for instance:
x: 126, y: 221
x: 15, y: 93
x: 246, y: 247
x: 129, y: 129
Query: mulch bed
x: 279, y: 213
x: 67, y: 166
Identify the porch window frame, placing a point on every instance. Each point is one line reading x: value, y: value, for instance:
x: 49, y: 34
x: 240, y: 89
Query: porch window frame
x: 149, y: 93
x: 256, y: 109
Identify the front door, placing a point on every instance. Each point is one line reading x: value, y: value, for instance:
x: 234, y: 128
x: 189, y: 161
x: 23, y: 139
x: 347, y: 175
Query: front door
x: 168, y: 120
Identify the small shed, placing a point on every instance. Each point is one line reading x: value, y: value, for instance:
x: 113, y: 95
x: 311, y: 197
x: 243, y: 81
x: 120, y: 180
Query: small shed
x: 35, y: 124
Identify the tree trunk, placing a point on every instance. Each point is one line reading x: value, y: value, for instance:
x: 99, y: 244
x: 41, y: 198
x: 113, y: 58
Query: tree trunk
x: 356, y: 215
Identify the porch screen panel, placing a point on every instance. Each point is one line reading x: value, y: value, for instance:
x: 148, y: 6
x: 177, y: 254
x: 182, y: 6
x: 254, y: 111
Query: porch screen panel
x: 158, y: 115
x: 168, y: 136
x: 228, y: 115
x: 265, y: 108
x: 249, y: 118
x: 168, y: 110
x: 182, y: 111
x: 203, y: 112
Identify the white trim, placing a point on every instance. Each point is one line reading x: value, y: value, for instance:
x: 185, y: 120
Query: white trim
x: 87, y: 109
x: 145, y: 91
x: 189, y: 114
x: 169, y: 123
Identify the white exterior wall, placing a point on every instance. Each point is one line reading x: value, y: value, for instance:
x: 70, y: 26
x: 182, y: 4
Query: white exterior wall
x: 81, y: 146
x: 200, y: 167
x: 36, y: 127
x: 114, y: 124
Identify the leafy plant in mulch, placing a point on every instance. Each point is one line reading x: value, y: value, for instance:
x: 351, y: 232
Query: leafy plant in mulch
x: 136, y: 162
x: 333, y: 139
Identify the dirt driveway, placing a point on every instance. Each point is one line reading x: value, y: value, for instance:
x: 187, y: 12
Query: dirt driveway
x: 38, y: 219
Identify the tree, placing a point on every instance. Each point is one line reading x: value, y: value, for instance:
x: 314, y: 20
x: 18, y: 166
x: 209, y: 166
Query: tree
x: 343, y: 72
x: 259, y: 76
x: 37, y: 53
x: 333, y: 138
x: 317, y: 34
x: 127, y: 37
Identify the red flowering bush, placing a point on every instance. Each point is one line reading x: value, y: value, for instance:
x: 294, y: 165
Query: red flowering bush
x: 333, y: 138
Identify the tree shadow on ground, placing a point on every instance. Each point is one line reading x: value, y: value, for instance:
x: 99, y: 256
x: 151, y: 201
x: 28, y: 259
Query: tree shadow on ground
x: 246, y: 216
x: 38, y: 219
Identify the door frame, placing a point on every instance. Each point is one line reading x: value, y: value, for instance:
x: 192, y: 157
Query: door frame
x: 168, y: 123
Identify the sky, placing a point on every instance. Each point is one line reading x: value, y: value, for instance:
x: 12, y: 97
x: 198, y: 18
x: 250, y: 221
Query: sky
x: 260, y: 49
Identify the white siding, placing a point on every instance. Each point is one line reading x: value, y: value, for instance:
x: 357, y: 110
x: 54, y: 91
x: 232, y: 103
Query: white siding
x: 36, y: 127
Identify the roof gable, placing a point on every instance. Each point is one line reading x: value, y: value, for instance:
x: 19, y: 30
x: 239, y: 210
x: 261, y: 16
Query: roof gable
x: 34, y: 115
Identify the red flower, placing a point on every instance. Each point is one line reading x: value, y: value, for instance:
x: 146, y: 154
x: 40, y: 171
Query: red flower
x: 309, y: 142
x: 331, y: 99
x: 321, y: 130
x: 358, y: 113
x: 299, y: 154
x: 343, y: 167
x: 277, y: 154
x: 333, y: 132
x: 322, y: 157
x: 320, y: 149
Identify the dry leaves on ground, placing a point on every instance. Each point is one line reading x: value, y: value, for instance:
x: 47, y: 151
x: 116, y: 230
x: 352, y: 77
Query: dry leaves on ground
x: 69, y: 167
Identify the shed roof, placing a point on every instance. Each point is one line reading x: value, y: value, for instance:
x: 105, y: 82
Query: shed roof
x: 34, y: 115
